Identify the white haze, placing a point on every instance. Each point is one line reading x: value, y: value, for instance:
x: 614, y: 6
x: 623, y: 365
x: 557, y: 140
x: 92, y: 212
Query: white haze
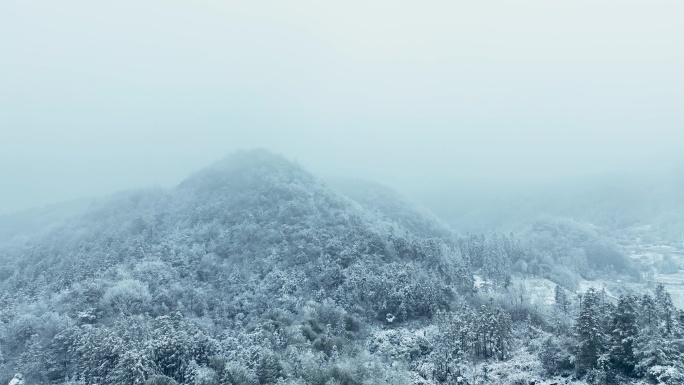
x: 99, y: 96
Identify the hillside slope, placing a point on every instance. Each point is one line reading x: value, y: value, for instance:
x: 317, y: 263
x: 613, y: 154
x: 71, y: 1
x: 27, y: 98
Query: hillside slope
x: 388, y: 204
x: 253, y: 271
x: 252, y: 242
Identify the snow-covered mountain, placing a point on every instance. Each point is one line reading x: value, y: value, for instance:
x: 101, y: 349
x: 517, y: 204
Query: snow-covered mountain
x: 254, y: 271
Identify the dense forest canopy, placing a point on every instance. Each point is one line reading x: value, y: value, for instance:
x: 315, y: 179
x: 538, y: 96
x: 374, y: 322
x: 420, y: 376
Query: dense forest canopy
x: 254, y: 271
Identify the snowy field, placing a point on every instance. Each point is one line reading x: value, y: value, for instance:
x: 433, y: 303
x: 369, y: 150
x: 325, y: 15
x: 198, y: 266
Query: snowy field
x: 674, y: 281
x: 539, y: 292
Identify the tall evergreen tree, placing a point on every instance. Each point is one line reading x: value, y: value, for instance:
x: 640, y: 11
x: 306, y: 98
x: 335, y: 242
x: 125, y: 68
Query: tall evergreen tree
x: 647, y: 314
x: 665, y: 309
x: 590, y: 335
x: 561, y: 298
x: 658, y: 348
x: 623, y: 335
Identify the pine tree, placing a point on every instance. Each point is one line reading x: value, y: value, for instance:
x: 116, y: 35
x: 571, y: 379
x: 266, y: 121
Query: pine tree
x: 648, y: 315
x: 132, y: 367
x: 589, y: 330
x: 562, y: 301
x: 502, y: 334
x: 665, y: 309
x: 269, y: 369
x: 623, y: 335
x: 658, y: 348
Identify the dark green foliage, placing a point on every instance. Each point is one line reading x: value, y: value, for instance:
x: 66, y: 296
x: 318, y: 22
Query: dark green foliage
x: 602, y: 256
x: 269, y: 369
x: 330, y: 329
x: 630, y: 339
x: 132, y: 367
x: 160, y: 380
x: 561, y: 299
x: 467, y: 335
x: 664, y: 309
x: 235, y: 375
x: 590, y: 332
x: 343, y: 377
x: 403, y: 291
x: 659, y: 345
x: 556, y: 355
x: 623, y: 335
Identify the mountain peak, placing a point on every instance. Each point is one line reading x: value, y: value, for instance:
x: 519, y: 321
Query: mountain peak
x: 246, y: 169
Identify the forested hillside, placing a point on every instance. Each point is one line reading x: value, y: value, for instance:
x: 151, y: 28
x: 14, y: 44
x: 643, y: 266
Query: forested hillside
x: 254, y: 271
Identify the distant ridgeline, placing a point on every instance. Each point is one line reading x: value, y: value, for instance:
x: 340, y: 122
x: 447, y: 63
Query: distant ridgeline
x: 253, y: 271
x: 649, y: 206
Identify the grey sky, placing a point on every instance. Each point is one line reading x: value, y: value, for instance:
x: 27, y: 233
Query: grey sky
x: 98, y: 96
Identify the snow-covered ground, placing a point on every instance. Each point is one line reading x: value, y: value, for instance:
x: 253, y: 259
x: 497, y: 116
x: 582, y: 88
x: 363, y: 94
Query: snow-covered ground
x: 536, y: 291
x: 674, y: 283
x: 540, y: 291
x: 652, y: 255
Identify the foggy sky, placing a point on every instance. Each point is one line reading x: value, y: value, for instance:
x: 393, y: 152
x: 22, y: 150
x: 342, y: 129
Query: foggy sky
x: 99, y: 96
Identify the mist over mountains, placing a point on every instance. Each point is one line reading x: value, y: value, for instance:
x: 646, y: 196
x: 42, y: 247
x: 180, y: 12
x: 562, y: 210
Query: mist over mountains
x: 616, y: 201
x: 255, y: 271
x: 469, y: 193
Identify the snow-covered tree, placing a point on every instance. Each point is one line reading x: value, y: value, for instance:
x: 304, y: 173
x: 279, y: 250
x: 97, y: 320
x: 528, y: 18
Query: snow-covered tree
x: 623, y: 335
x: 590, y: 332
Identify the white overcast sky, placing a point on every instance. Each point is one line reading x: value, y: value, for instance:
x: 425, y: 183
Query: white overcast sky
x: 99, y: 96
